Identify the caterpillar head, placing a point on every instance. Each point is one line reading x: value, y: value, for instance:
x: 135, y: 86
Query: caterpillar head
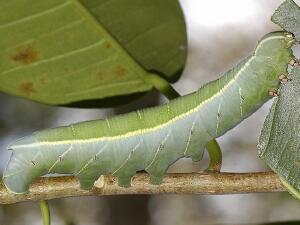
x: 289, y: 39
x: 275, y: 43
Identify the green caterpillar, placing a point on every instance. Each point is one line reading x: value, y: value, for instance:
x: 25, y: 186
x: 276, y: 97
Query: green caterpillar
x: 154, y: 138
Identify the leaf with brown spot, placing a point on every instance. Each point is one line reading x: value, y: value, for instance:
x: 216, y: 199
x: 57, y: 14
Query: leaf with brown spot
x: 108, y: 45
x: 71, y: 40
x: 119, y: 71
x: 44, y: 79
x: 25, y: 55
x: 27, y: 88
x: 100, y: 75
x: 66, y: 69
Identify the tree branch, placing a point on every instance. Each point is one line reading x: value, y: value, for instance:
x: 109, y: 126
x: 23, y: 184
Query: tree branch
x: 180, y: 183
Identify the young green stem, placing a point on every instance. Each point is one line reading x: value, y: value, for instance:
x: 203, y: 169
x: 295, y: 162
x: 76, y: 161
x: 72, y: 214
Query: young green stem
x: 162, y: 86
x: 212, y: 147
x: 45, y: 212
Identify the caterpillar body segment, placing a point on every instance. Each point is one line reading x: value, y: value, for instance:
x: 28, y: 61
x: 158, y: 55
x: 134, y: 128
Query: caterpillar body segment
x: 154, y: 138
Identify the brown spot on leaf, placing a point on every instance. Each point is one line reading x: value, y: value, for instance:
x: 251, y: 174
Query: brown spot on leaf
x: 107, y: 45
x: 44, y: 79
x: 100, y: 75
x: 27, y: 88
x: 26, y: 55
x: 119, y: 71
x: 67, y: 69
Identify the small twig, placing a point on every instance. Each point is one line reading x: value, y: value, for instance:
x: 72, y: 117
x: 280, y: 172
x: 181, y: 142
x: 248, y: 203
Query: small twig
x: 183, y: 183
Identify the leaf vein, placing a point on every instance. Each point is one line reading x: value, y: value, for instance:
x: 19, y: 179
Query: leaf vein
x: 28, y: 18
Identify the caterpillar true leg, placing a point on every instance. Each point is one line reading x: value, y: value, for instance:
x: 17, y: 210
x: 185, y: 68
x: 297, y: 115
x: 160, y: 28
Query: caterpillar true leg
x: 295, y: 62
x: 273, y: 93
x: 284, y: 78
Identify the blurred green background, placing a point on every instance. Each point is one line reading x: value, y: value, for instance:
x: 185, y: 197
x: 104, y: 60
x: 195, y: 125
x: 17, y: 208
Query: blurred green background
x: 220, y: 34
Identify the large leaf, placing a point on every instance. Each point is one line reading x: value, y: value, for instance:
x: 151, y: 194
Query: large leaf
x: 288, y: 17
x: 153, y: 32
x: 279, y: 143
x: 63, y: 51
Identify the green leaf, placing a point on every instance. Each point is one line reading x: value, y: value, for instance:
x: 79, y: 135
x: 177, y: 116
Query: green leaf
x: 287, y: 16
x: 64, y: 51
x: 279, y: 143
x: 153, y: 32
